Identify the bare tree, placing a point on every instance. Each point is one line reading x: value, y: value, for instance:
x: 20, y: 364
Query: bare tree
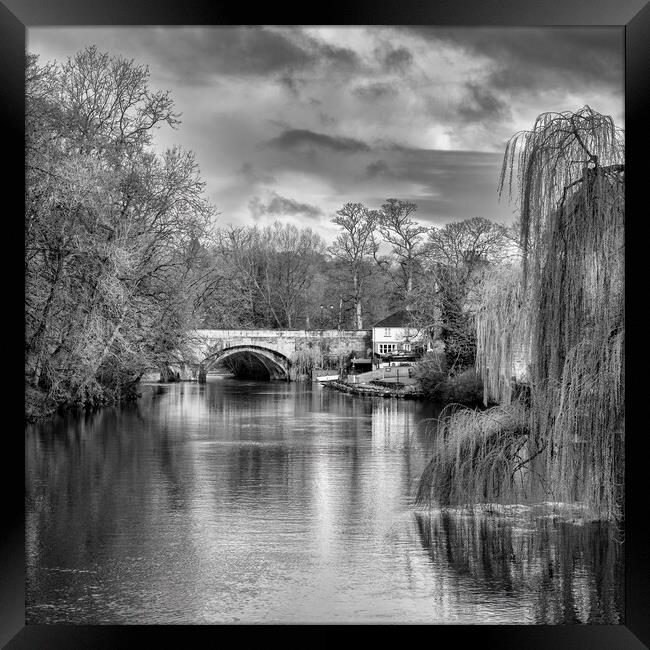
x: 242, y: 249
x: 110, y: 229
x: 466, y: 248
x: 291, y: 255
x: 404, y: 236
x: 277, y: 263
x: 353, y: 246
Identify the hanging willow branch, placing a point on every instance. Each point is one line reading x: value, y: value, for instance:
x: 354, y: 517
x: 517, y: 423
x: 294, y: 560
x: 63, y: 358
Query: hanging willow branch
x: 567, y: 315
x: 502, y: 348
x: 541, y: 165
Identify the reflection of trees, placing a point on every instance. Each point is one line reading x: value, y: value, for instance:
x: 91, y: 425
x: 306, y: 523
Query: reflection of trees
x: 97, y: 484
x: 575, y: 572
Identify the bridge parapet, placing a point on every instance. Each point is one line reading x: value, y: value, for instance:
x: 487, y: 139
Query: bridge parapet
x: 285, y: 342
x: 307, y: 334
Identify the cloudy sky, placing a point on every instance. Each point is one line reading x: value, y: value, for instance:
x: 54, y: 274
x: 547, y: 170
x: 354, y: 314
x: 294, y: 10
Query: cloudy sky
x: 290, y: 123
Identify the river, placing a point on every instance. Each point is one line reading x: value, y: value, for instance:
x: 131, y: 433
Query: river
x: 273, y: 502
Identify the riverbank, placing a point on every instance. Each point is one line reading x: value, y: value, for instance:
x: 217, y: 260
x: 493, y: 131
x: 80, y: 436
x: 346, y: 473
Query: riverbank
x: 40, y: 405
x: 370, y: 390
x: 465, y: 390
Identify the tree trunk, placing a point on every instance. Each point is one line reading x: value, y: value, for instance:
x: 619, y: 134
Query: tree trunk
x: 409, y: 287
x: 357, y: 299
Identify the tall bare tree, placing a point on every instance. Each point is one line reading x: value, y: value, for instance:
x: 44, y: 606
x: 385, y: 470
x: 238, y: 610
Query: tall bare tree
x: 277, y: 264
x: 404, y: 236
x: 354, y: 246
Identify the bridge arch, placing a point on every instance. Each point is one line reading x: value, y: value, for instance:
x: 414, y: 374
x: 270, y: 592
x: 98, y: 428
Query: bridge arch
x: 275, y: 362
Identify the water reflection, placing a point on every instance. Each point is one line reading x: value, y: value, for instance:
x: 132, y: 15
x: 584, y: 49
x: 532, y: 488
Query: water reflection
x: 270, y: 502
x: 565, y: 572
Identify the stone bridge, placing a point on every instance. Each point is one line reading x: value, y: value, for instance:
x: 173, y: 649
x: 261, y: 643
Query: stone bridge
x: 275, y: 349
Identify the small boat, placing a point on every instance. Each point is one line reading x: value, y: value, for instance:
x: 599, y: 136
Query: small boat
x: 327, y: 378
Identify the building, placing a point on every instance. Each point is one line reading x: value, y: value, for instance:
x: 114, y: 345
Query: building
x: 360, y: 365
x: 395, y: 339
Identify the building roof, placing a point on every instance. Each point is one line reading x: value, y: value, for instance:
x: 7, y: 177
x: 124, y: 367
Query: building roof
x: 398, y: 319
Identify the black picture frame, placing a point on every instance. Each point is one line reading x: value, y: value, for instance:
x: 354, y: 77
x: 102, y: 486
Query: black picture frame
x: 633, y: 16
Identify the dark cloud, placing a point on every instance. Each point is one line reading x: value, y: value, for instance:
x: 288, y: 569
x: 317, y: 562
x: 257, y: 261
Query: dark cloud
x: 445, y: 185
x: 200, y: 53
x: 398, y: 59
x: 482, y: 105
x: 454, y: 184
x: 533, y: 57
x: 377, y: 168
x: 339, y: 56
x: 203, y: 53
x: 291, y: 83
x: 373, y: 91
x: 305, y: 140
x: 282, y: 206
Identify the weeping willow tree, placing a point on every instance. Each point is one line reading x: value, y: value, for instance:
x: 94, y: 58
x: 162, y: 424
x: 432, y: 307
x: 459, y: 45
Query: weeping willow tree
x: 565, y: 315
x: 479, y: 456
x: 304, y: 361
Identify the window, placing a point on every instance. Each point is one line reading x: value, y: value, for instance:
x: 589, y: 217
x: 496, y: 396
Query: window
x: 387, y: 331
x: 384, y: 348
x: 406, y: 347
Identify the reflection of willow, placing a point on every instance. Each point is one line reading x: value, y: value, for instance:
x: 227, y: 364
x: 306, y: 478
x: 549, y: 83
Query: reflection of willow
x: 574, y: 573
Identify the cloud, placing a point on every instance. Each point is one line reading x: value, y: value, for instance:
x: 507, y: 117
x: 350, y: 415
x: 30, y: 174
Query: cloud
x: 190, y: 55
x: 306, y: 140
x: 398, y: 59
x: 533, y: 57
x: 451, y: 185
x: 377, y: 168
x: 255, y: 176
x: 338, y: 56
x: 282, y: 206
x: 482, y: 105
x: 249, y: 51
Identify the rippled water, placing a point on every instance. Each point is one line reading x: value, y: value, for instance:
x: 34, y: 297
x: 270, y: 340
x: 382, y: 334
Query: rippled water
x: 271, y: 502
